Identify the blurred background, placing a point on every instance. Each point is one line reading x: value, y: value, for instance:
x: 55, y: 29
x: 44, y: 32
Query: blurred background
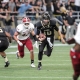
x: 12, y: 12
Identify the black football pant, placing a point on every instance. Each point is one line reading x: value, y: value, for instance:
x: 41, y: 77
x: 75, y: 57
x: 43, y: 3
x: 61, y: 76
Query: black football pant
x: 42, y: 46
x: 3, y: 45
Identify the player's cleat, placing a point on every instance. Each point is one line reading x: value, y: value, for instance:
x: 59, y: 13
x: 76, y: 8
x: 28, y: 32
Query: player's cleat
x: 32, y: 65
x: 7, y: 64
x: 17, y: 55
x: 39, y: 66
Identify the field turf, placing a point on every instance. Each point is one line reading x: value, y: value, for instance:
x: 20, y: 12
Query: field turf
x: 56, y: 67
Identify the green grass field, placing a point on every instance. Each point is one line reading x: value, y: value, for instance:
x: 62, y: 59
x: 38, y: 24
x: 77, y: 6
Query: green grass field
x: 56, y: 67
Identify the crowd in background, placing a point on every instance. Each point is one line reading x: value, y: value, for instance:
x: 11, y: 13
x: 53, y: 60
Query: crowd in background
x: 12, y: 10
x: 21, y: 7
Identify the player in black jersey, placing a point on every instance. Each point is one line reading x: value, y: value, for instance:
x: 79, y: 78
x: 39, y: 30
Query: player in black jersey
x: 5, y: 38
x: 64, y: 29
x: 47, y: 27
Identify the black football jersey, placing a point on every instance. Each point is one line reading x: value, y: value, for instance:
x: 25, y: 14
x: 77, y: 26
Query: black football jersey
x: 48, y: 30
x: 2, y: 34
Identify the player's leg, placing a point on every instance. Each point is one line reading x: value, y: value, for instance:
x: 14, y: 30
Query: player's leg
x: 75, y: 63
x: 3, y: 47
x: 3, y: 54
x: 49, y: 48
x: 20, y: 52
x: 29, y: 45
x: 40, y: 54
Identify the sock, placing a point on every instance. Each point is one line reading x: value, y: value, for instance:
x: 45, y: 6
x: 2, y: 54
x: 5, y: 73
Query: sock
x: 39, y: 63
x: 6, y: 59
x: 32, y: 61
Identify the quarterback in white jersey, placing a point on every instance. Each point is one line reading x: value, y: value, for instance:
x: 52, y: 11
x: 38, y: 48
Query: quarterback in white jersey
x: 75, y: 53
x: 22, y: 36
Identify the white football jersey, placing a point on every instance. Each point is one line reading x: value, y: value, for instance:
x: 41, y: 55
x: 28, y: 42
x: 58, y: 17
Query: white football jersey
x: 77, y: 36
x: 24, y: 33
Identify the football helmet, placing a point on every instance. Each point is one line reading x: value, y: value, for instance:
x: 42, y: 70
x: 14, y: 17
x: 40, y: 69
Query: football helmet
x: 26, y: 21
x: 46, y: 16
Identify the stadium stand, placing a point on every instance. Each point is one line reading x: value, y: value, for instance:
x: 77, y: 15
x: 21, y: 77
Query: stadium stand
x: 34, y: 13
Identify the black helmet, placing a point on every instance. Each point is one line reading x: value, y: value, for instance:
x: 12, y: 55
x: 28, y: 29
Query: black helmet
x: 46, y: 16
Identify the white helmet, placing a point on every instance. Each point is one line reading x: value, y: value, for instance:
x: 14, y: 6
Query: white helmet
x: 26, y: 21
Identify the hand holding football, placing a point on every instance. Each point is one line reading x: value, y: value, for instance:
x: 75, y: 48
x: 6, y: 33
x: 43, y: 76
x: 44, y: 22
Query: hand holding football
x: 42, y: 37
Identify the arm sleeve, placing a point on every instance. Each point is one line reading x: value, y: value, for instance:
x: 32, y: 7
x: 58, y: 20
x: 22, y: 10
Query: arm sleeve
x: 53, y: 23
x: 56, y: 28
x: 38, y: 32
x: 37, y: 25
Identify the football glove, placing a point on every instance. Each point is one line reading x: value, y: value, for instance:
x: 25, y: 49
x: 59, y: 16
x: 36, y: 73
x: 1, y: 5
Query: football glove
x: 36, y: 44
x: 50, y: 44
x: 20, y: 43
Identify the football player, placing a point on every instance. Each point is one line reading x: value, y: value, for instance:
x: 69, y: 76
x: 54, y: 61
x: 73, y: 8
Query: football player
x: 4, y: 43
x: 47, y: 27
x: 22, y: 36
x: 75, y: 53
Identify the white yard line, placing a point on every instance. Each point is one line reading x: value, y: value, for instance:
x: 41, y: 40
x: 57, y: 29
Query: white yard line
x: 34, y: 52
x: 69, y: 64
x: 36, y: 77
x: 54, y: 45
x: 44, y: 60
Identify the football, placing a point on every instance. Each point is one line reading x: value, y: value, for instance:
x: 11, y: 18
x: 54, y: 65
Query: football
x: 41, y: 35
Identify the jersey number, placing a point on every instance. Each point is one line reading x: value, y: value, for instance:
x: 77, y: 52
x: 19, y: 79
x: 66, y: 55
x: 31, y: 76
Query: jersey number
x: 47, y: 32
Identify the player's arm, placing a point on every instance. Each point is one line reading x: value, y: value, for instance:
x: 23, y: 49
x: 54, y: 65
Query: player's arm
x: 38, y: 30
x: 62, y: 39
x: 33, y: 34
x: 15, y: 35
x: 38, y: 35
x: 59, y: 32
x: 9, y: 36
